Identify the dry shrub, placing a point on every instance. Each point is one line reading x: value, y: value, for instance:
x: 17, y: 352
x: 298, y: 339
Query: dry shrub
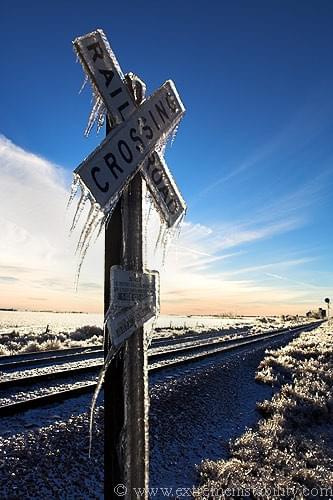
x: 4, y: 351
x: 31, y: 347
x: 86, y: 333
x: 51, y: 345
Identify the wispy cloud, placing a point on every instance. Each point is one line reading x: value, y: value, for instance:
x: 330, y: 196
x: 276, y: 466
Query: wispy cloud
x: 276, y: 265
x: 35, y: 246
x: 299, y: 132
x: 202, y: 273
x: 8, y: 279
x: 296, y: 282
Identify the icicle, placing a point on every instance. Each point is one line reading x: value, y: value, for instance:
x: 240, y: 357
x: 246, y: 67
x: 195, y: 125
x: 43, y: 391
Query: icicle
x: 101, y: 119
x: 97, y: 110
x: 161, y: 235
x: 111, y: 354
x: 85, y: 243
x: 80, y: 206
x: 170, y: 235
x: 85, y: 81
x: 74, y: 188
x: 102, y: 223
x: 96, y: 220
x: 173, y: 134
x: 87, y: 228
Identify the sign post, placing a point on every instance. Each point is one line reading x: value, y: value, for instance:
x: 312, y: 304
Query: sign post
x: 126, y: 447
x: 116, y: 174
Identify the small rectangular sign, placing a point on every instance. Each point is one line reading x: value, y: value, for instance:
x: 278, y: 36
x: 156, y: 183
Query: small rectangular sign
x: 125, y: 322
x: 113, y: 163
x: 128, y: 288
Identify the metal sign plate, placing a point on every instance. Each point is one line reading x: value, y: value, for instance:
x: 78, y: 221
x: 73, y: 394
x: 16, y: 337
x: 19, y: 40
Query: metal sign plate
x: 163, y: 188
x: 103, y: 69
x: 126, y: 321
x: 129, y: 288
x: 116, y: 160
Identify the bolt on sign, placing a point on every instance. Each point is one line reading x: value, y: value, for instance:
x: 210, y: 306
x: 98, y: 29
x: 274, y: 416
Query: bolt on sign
x: 138, y: 131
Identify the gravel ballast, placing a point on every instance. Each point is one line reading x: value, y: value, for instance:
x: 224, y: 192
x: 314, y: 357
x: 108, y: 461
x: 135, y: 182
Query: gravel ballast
x: 52, y: 461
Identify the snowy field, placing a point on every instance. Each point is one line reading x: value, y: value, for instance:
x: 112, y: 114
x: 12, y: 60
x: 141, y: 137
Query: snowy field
x: 194, y: 412
x: 34, y: 331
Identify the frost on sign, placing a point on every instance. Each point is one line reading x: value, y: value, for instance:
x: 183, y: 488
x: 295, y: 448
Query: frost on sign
x: 140, y: 129
x: 105, y: 74
x: 129, y: 288
x: 116, y: 160
x: 123, y: 324
x: 113, y: 94
x: 134, y: 301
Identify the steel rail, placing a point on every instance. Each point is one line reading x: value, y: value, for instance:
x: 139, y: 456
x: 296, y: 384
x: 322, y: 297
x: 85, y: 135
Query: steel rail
x: 165, y: 354
x: 20, y: 406
x: 37, y: 354
x: 47, y: 359
x: 54, y: 397
x: 213, y: 351
x: 33, y: 379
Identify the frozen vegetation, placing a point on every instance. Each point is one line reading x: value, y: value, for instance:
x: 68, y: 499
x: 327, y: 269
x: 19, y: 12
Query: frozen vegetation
x: 34, y: 339
x: 289, y: 454
x: 17, y: 342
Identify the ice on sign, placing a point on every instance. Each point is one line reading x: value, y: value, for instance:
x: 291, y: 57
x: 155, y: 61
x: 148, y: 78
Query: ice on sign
x: 106, y: 170
x: 129, y: 288
x: 105, y: 74
x: 124, y: 323
x: 166, y: 194
x: 114, y: 95
x: 134, y: 301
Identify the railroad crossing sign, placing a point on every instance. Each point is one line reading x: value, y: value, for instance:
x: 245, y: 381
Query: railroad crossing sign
x: 109, y: 168
x: 139, y: 128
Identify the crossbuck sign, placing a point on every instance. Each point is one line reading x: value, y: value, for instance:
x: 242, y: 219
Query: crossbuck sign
x: 132, y: 148
x: 137, y: 131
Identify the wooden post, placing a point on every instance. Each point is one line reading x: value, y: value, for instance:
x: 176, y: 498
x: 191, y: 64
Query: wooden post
x: 126, y: 450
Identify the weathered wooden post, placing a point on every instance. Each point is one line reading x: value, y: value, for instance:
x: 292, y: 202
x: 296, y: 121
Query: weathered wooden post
x: 115, y: 175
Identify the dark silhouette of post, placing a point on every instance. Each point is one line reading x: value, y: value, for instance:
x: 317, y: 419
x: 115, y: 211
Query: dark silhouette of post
x: 328, y: 301
x: 126, y: 450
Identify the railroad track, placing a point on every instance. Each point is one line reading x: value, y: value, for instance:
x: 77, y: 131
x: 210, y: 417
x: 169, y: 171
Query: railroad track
x: 163, y: 354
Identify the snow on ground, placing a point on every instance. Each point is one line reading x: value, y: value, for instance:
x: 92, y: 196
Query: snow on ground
x: 228, y: 327
x: 28, y: 341
x: 44, y: 453
x: 289, y: 453
x: 20, y: 332
x: 194, y: 412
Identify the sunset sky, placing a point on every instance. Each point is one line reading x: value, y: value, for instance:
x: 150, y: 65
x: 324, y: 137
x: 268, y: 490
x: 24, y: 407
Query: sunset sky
x: 253, y: 156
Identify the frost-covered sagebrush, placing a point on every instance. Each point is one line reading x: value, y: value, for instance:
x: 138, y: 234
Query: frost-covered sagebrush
x: 292, y: 446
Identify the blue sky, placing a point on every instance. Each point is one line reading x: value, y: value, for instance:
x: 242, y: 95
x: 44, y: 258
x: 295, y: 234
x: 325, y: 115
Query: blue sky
x: 253, y: 156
